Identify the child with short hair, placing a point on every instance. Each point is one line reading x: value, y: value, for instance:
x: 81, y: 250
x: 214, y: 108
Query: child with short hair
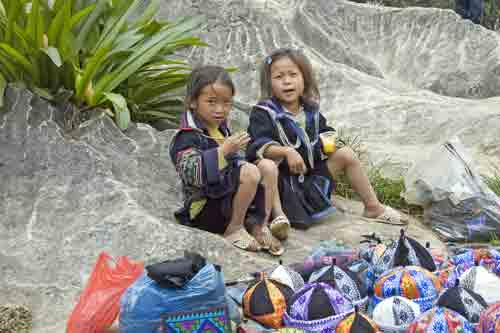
x: 223, y: 194
x: 287, y: 126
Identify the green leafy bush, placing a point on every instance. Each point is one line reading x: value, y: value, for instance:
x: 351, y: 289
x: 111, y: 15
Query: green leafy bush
x: 111, y: 54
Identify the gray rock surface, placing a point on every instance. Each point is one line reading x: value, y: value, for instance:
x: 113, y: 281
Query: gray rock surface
x: 401, y: 79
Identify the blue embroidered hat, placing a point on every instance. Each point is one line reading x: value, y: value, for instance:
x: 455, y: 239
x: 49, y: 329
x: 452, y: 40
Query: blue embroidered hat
x: 412, y: 282
x: 346, y: 282
x: 317, y: 307
x: 440, y: 320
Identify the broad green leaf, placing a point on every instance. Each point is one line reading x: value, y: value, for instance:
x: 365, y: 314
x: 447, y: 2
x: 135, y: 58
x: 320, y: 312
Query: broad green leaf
x: 90, y: 24
x: 14, y: 9
x: 31, y: 28
x: 3, y: 85
x: 55, y: 27
x: 143, y: 54
x: 75, y: 19
x: 90, y: 69
x: 18, y: 58
x: 53, y: 55
x: 122, y: 113
x: 114, y: 25
x: 149, y: 13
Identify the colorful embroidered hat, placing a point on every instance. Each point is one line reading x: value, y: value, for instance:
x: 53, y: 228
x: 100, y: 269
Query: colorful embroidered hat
x: 287, y: 276
x: 482, y: 282
x: 346, y: 282
x: 266, y: 301
x: 364, y: 271
x: 449, y: 275
x: 412, y: 282
x: 404, y: 252
x: 439, y: 319
x: 317, y: 307
x: 488, y: 258
x: 357, y: 323
x: 395, y: 314
x: 464, y: 301
x: 473, y: 256
x: 490, y: 320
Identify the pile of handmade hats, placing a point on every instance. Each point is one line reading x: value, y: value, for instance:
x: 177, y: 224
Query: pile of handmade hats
x: 399, y: 286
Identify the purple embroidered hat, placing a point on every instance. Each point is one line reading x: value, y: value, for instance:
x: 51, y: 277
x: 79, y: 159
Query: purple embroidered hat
x: 317, y: 307
x: 344, y: 281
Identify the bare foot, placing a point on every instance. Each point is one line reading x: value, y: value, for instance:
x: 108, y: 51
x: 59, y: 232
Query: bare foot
x: 373, y: 212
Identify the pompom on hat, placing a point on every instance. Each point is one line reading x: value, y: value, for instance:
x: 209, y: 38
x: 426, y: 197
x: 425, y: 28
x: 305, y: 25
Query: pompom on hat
x: 357, y: 323
x: 344, y: 281
x: 317, y: 307
x: 440, y: 320
x: 464, y: 301
x: 490, y: 320
x: 412, y: 282
x: 266, y: 300
x: 395, y: 314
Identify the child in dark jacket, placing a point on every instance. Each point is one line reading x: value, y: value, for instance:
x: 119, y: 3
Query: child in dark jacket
x: 223, y: 193
x: 287, y: 127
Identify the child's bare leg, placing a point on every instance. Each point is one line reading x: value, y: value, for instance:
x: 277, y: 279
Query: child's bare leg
x: 345, y: 159
x: 269, y: 172
x: 249, y: 180
x: 279, y: 228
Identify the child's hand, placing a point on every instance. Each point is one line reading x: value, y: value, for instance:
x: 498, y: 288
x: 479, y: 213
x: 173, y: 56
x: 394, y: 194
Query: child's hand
x: 235, y: 142
x: 295, y: 162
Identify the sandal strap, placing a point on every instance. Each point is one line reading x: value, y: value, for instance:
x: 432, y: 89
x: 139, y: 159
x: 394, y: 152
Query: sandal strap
x: 268, y: 240
x: 243, y: 240
x: 281, y: 219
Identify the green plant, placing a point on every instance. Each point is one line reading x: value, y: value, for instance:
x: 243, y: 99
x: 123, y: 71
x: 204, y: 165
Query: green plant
x: 493, y: 182
x: 111, y: 54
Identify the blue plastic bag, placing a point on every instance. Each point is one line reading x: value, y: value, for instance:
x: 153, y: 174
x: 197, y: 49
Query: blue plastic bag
x: 145, y: 301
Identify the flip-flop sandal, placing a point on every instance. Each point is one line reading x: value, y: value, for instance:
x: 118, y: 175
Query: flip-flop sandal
x: 243, y: 240
x: 268, y: 240
x: 280, y: 227
x: 389, y: 216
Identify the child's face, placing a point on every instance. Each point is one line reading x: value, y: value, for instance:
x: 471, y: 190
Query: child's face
x: 213, y: 104
x: 287, y: 82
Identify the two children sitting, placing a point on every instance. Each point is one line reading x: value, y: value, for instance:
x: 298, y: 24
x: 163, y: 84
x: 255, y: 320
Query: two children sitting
x: 285, y: 175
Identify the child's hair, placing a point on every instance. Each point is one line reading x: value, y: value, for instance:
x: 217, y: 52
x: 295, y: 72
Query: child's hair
x: 311, y: 91
x: 203, y: 76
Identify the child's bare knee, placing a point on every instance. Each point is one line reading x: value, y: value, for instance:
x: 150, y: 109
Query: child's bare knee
x: 250, y: 174
x: 348, y: 156
x: 268, y: 167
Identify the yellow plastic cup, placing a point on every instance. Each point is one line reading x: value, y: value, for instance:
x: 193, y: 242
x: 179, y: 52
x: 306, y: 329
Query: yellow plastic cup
x: 328, y: 141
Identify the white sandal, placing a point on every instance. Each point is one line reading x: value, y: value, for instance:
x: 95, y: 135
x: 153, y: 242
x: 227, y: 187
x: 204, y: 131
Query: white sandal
x: 243, y: 240
x: 389, y: 216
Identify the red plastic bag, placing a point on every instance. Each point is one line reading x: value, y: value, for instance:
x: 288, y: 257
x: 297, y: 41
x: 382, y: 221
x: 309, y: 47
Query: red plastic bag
x: 99, y: 304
